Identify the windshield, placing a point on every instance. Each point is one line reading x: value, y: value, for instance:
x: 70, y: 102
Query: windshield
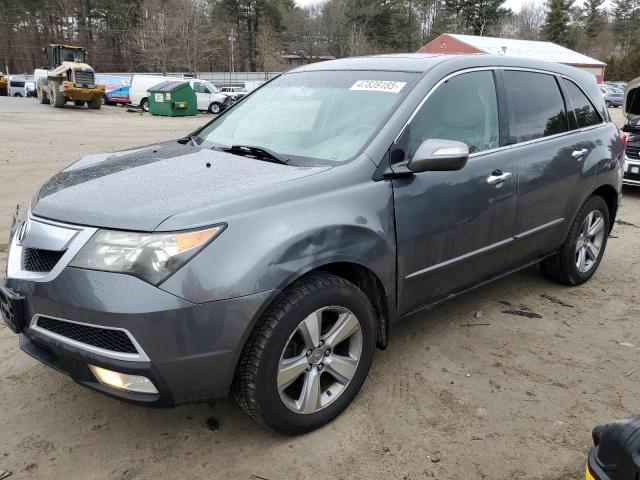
x: 71, y: 55
x: 312, y: 118
x: 211, y: 87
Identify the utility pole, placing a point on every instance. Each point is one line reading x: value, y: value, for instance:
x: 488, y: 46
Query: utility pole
x: 232, y: 38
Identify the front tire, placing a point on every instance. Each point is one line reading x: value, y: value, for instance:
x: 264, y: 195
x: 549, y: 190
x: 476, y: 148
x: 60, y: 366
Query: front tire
x: 215, y: 108
x: 308, y: 356
x: 581, y: 253
x: 144, y: 105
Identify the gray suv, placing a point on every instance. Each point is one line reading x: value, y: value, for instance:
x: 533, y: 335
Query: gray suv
x: 268, y: 253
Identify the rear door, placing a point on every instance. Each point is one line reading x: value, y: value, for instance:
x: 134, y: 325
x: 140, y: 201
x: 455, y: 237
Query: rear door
x: 556, y: 158
x: 453, y: 227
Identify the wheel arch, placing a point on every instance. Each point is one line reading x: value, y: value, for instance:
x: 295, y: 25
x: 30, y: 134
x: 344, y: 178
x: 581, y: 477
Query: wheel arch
x: 367, y: 281
x: 610, y: 196
x: 358, y: 274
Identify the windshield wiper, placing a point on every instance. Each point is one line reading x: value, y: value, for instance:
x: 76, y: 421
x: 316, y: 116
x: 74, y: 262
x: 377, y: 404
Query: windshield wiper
x: 187, y: 139
x: 256, y: 152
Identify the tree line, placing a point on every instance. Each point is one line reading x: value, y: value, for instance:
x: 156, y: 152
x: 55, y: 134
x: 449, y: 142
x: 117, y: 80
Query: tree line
x: 268, y: 35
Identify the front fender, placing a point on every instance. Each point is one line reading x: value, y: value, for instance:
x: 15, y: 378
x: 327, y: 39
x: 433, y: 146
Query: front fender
x: 268, y: 248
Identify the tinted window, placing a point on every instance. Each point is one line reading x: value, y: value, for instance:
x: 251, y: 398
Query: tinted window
x: 584, y: 110
x: 464, y: 108
x: 536, y: 106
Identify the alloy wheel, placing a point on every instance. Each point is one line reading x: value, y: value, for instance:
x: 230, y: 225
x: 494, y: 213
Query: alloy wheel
x: 590, y: 239
x: 319, y: 360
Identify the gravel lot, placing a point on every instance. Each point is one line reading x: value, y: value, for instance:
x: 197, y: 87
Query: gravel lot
x: 514, y: 399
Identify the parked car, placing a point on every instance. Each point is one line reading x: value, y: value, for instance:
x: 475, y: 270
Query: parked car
x: 269, y: 252
x: 21, y: 86
x: 112, y: 83
x: 17, y: 87
x: 207, y: 95
x: 632, y: 129
x: 235, y: 93
x: 612, y: 98
x: 620, y: 85
x: 119, y: 95
x: 30, y: 87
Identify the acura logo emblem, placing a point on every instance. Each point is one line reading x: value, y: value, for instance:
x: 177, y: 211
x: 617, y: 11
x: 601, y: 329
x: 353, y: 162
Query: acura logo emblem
x: 22, y: 234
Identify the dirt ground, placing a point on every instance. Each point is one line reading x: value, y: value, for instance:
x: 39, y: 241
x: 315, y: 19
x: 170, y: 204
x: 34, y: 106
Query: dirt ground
x: 509, y: 398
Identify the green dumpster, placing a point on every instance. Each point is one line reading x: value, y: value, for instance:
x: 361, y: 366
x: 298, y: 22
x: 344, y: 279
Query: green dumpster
x: 172, y: 99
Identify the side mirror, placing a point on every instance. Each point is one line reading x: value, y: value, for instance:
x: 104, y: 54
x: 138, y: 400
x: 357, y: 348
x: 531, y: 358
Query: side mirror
x: 439, y: 155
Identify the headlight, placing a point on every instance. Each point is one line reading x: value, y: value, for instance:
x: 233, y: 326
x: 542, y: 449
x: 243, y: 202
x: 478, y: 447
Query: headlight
x: 150, y: 256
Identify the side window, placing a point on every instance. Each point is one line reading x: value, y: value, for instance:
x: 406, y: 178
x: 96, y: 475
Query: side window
x: 585, y: 112
x: 464, y: 108
x: 536, y: 106
x: 198, y: 87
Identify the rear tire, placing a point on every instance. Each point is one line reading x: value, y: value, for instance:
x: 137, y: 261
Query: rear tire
x: 95, y: 103
x: 42, y: 95
x: 57, y: 98
x: 279, y: 383
x: 607, y: 103
x: 581, y: 253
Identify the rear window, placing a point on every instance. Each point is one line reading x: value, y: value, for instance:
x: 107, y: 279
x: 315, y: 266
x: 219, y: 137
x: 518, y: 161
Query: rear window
x: 584, y: 111
x: 536, y: 107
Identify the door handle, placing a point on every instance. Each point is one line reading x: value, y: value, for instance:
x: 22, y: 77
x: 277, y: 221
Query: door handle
x: 579, y: 154
x: 498, y: 176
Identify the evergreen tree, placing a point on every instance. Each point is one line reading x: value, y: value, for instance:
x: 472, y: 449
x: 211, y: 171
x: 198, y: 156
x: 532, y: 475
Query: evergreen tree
x: 593, y: 19
x: 626, y: 22
x: 556, y: 27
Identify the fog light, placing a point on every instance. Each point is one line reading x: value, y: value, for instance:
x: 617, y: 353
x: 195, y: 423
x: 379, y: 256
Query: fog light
x: 123, y: 381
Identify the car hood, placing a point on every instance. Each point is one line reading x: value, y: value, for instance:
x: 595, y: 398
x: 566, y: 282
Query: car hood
x: 138, y: 189
x: 631, y: 105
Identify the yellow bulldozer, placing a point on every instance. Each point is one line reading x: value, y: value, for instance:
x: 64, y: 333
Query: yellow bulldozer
x: 69, y: 79
x: 4, y: 81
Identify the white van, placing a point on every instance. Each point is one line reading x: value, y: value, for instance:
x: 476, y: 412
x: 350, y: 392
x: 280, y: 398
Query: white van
x: 207, y: 95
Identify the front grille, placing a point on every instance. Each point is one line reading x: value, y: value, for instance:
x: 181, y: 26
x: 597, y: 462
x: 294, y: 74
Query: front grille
x: 632, y: 176
x: 633, y: 152
x: 107, y: 339
x: 43, y: 261
x: 84, y: 78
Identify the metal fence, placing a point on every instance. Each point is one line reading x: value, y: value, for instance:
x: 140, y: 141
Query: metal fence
x: 217, y: 78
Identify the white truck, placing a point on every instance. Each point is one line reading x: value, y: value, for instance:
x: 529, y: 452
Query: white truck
x: 208, y: 97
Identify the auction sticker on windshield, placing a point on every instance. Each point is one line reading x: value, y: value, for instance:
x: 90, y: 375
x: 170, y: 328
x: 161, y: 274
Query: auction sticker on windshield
x: 389, y: 86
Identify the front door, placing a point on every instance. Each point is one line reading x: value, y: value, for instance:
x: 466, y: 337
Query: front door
x: 202, y: 95
x: 453, y: 228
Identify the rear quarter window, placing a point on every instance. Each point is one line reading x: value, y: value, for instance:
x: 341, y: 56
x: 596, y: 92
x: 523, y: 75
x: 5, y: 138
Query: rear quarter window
x: 536, y: 106
x: 585, y: 113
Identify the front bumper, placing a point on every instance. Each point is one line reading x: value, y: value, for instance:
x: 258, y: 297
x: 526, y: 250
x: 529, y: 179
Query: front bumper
x: 68, y: 89
x: 631, y: 171
x: 189, y: 350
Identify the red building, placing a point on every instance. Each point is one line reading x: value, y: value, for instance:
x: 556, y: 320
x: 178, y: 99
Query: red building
x: 454, y: 43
